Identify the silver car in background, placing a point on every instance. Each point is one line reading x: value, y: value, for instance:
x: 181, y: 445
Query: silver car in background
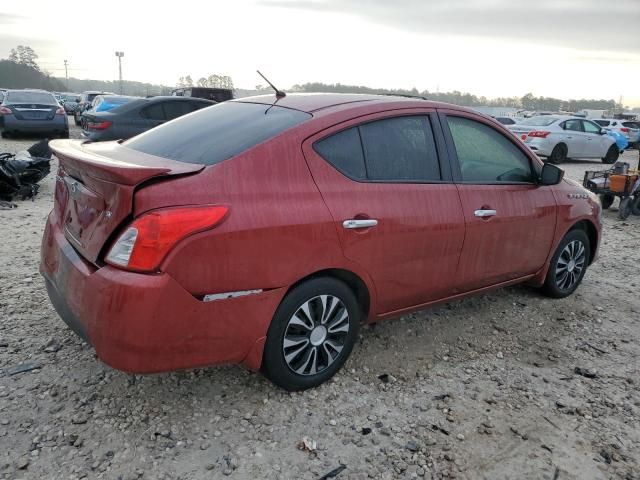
x: 559, y: 137
x: 32, y: 111
x: 629, y: 129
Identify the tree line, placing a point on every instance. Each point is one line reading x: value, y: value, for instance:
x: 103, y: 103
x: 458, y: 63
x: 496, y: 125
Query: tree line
x: 526, y: 102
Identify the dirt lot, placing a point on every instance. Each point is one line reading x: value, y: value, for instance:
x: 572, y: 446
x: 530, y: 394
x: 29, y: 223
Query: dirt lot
x: 482, y: 388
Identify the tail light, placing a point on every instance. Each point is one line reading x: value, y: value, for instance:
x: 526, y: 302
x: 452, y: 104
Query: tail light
x: 98, y: 125
x: 150, y: 237
x: 539, y: 134
x: 5, y: 111
x: 60, y: 111
x: 624, y: 130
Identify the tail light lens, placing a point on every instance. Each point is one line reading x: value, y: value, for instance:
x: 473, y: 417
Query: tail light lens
x: 60, y: 111
x: 150, y: 237
x: 539, y: 134
x: 98, y: 125
x: 5, y: 111
x: 624, y: 130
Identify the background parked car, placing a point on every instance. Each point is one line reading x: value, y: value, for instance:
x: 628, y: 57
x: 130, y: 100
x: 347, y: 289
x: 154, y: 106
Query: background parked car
x: 32, y: 111
x: 208, y: 93
x: 624, y: 127
x: 104, y: 103
x: 507, y: 120
x: 560, y: 137
x: 85, y: 100
x: 137, y: 116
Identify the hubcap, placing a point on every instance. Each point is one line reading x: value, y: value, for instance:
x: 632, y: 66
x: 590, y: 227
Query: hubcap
x: 570, y: 264
x: 315, y: 335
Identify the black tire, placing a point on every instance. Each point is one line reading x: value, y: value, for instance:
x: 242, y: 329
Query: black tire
x: 606, y: 200
x: 558, y: 154
x: 5, y: 134
x: 554, y: 285
x: 624, y: 209
x: 274, y: 364
x: 75, y: 120
x: 635, y: 205
x: 65, y: 134
x: 612, y: 155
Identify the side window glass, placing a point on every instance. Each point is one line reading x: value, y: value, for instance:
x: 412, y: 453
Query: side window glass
x: 176, y: 109
x: 573, y: 125
x: 486, y: 155
x: 343, y: 150
x: 400, y: 148
x: 590, y: 127
x: 153, y: 112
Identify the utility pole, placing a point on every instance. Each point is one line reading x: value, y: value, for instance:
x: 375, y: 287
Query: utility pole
x: 120, y: 55
x: 66, y: 74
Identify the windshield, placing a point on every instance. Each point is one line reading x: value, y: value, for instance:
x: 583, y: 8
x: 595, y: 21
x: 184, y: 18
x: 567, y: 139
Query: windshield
x: 72, y: 98
x: 541, y: 121
x: 31, y: 97
x: 216, y: 133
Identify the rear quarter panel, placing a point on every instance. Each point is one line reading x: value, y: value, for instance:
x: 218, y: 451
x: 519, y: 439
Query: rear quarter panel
x: 278, y: 229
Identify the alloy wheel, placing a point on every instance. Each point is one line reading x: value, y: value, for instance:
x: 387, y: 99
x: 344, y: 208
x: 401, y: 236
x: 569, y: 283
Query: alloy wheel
x: 315, y: 335
x: 570, y: 264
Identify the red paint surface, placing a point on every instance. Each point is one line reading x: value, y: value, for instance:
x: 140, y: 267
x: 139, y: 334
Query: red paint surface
x: 286, y: 208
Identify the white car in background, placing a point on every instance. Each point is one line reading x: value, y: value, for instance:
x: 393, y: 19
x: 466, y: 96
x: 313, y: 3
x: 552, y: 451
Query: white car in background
x: 561, y: 137
x: 624, y: 127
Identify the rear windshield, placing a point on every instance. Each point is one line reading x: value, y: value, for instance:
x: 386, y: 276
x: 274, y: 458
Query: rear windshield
x: 602, y: 123
x: 31, y: 97
x: 541, y: 121
x: 624, y: 124
x: 217, y: 133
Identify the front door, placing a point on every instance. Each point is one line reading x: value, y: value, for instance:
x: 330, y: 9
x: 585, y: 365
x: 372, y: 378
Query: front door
x: 387, y: 185
x: 574, y: 137
x: 510, y: 220
x: 596, y: 143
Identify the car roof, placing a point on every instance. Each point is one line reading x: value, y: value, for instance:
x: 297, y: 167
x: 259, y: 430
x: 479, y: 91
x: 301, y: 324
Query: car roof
x: 313, y: 102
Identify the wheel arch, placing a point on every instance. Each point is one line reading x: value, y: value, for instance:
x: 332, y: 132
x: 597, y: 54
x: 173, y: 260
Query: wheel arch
x: 592, y: 233
x: 357, y: 285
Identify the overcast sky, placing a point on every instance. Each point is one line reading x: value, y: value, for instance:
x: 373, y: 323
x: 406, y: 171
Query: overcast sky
x: 560, y: 48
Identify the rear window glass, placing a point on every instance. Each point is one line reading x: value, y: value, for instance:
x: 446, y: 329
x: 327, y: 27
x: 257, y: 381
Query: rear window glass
x: 31, y: 97
x: 214, y: 134
x: 541, y: 121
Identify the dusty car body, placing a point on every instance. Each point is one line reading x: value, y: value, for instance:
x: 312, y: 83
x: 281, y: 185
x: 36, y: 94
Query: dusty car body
x: 263, y: 231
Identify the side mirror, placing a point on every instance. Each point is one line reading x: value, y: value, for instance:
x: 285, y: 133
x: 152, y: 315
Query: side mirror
x: 603, y: 131
x: 550, y: 175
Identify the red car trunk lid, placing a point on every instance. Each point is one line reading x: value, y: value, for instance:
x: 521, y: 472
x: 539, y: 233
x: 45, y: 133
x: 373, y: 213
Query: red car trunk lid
x: 95, y: 187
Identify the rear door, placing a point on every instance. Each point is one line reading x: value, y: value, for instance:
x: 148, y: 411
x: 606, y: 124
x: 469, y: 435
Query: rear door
x: 510, y: 221
x: 388, y: 187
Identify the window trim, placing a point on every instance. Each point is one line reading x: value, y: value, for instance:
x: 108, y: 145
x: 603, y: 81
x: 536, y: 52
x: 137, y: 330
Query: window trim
x: 453, y: 155
x: 431, y: 116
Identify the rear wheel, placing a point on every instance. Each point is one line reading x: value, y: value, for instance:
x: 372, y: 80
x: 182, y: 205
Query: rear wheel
x: 606, y: 200
x: 612, y: 155
x: 311, y: 334
x: 5, y: 134
x: 65, y: 134
x: 558, y: 154
x: 624, y: 209
x: 568, y: 265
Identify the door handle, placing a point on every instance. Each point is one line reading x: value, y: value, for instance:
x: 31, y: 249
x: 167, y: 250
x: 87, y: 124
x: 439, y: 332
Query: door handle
x: 569, y: 137
x: 484, y: 213
x: 353, y: 223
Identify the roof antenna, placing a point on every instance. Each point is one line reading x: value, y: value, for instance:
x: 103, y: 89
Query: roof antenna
x: 279, y: 93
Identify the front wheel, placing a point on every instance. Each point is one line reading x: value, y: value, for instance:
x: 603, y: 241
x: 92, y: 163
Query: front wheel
x: 311, y: 334
x: 612, y: 155
x: 568, y: 265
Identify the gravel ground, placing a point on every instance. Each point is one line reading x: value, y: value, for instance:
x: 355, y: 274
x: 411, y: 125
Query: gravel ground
x: 481, y: 388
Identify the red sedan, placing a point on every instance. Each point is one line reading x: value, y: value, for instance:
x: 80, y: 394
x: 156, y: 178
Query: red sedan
x: 264, y: 231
